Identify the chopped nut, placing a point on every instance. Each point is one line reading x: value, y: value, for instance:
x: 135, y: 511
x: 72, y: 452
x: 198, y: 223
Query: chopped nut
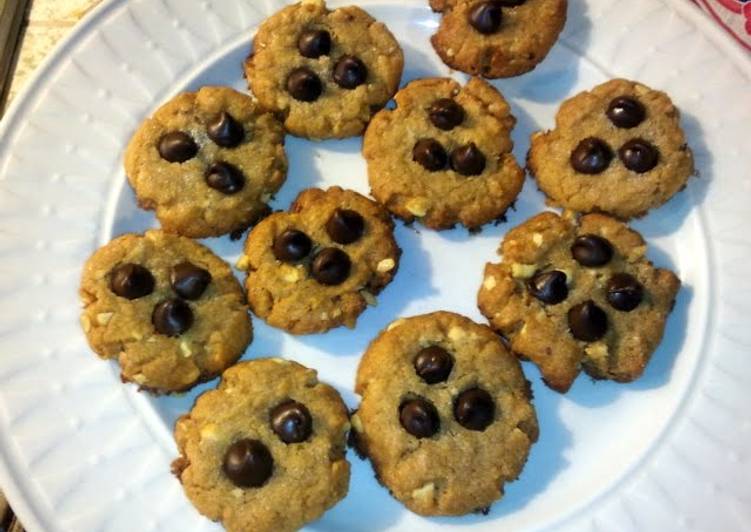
x: 489, y: 283
x: 538, y: 239
x: 450, y: 52
x: 569, y: 275
x: 103, y: 318
x: 290, y: 274
x: 185, y: 349
x: 417, y: 206
x: 425, y: 493
x: 85, y: 323
x: 237, y: 492
x: 356, y: 423
x: 336, y: 312
x: 265, y: 197
x: 324, y: 315
x: 242, y: 263
x: 210, y: 432
x: 385, y: 265
x: 140, y: 378
x: 523, y: 271
x: 597, y: 352
x: 278, y: 360
x: 369, y: 298
x: 137, y: 335
x: 394, y: 324
x: 456, y: 333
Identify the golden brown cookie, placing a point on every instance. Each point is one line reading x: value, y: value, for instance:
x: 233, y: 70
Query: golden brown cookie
x: 326, y: 72
x: 320, y: 264
x: 445, y: 417
x: 443, y: 155
x: 618, y: 149
x: 578, y: 294
x: 497, y: 38
x: 265, y: 450
x: 166, y: 308
x: 207, y: 162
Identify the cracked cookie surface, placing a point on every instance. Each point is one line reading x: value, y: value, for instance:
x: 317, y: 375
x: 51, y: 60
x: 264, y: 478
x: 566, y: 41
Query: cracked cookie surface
x: 443, y: 155
x: 207, y: 162
x: 578, y: 294
x: 617, y: 149
x: 166, y: 308
x: 497, y: 38
x: 265, y: 451
x: 325, y: 71
x: 445, y: 418
x: 320, y: 264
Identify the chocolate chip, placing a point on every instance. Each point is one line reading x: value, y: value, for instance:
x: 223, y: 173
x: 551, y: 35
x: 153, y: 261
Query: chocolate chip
x: 587, y: 321
x: 639, y: 156
x: 624, y: 292
x: 549, y: 287
x: 225, y: 177
x: 304, y: 85
x: 292, y: 245
x: 591, y: 251
x: 626, y: 112
x: 314, y: 43
x: 172, y: 317
x: 511, y: 3
x: 350, y: 72
x: 225, y: 131
x: 591, y: 156
x: 474, y: 409
x: 248, y: 463
x: 131, y: 281
x: 331, y: 266
x: 188, y: 280
x: 486, y: 17
x: 177, y: 147
x: 345, y: 226
x: 468, y: 160
x: 433, y: 364
x: 430, y: 155
x: 419, y: 417
x: 446, y: 114
x: 291, y: 421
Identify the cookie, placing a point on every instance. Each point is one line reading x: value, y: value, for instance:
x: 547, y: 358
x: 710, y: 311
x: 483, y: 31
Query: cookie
x: 445, y: 417
x: 578, y: 294
x: 326, y: 72
x: 618, y: 149
x: 166, y: 308
x: 443, y: 155
x: 320, y: 264
x: 265, y: 450
x: 207, y: 162
x: 497, y: 38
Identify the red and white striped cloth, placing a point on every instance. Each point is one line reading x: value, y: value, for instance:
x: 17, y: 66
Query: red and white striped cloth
x: 733, y: 15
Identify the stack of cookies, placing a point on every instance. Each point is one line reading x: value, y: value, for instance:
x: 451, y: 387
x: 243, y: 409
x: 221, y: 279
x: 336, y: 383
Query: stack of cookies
x: 443, y: 398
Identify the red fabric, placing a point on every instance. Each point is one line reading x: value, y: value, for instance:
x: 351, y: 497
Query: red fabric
x: 734, y: 16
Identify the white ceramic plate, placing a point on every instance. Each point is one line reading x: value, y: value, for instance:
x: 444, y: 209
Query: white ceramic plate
x: 82, y: 452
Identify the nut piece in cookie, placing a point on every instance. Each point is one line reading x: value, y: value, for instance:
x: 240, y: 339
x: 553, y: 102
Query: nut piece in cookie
x: 166, y: 308
x: 207, y: 162
x: 443, y: 402
x: 320, y: 264
x: 326, y: 72
x: 443, y: 155
x: 617, y: 149
x: 497, y: 38
x: 264, y: 451
x: 578, y: 294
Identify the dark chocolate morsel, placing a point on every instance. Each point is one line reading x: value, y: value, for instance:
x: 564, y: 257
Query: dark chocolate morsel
x: 172, y: 317
x: 474, y: 409
x: 591, y: 156
x: 304, y: 85
x: 587, y: 321
x: 225, y: 177
x: 486, y: 17
x: 549, y: 287
x: 314, y: 43
x: 433, y: 364
x: 626, y: 112
x: 225, y: 131
x: 430, y: 155
x: 188, y: 280
x: 639, y: 156
x: 468, y: 160
x: 131, y: 281
x: 446, y: 114
x: 331, y: 266
x: 292, y: 245
x: 419, y: 417
x: 291, y: 421
x: 248, y: 463
x: 345, y: 226
x: 177, y: 147
x: 624, y: 292
x: 592, y: 251
x: 350, y: 72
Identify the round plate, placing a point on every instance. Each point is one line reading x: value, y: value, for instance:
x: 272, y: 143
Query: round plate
x: 81, y: 451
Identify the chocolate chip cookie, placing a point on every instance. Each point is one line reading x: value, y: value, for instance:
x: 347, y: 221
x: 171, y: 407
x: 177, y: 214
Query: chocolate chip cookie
x: 573, y: 294
x: 443, y: 155
x: 207, y: 162
x: 497, y: 38
x: 325, y: 71
x: 320, y: 264
x: 445, y: 417
x: 617, y: 149
x: 166, y: 308
x: 265, y: 450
